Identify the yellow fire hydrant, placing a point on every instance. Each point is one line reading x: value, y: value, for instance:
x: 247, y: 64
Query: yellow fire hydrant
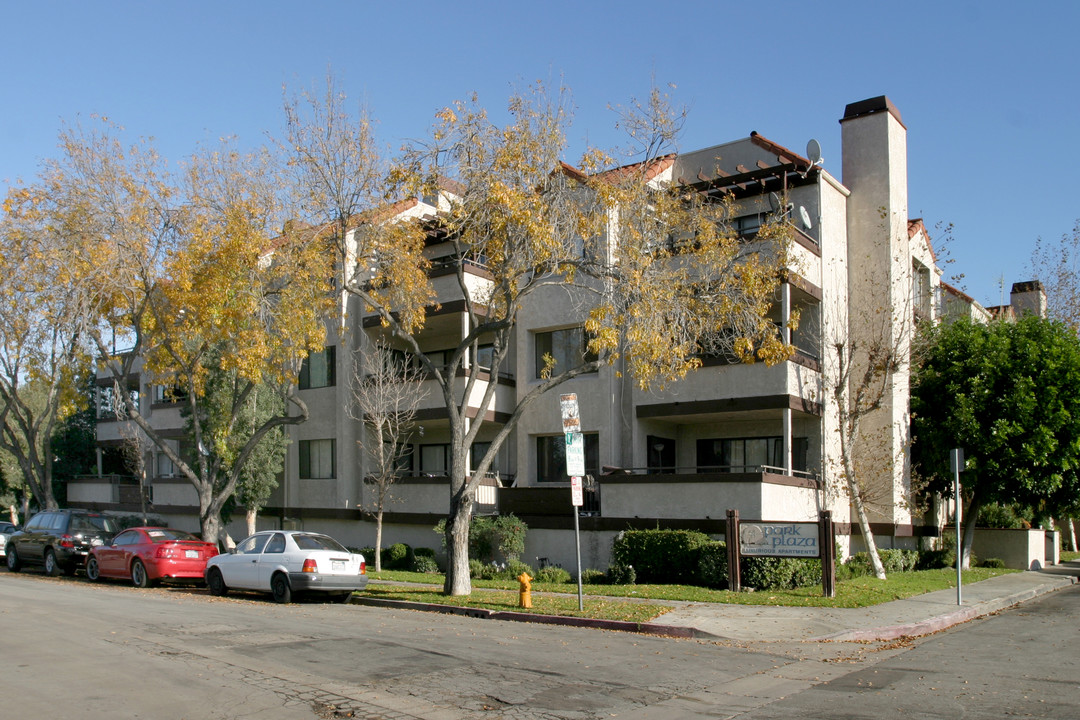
x: 525, y: 593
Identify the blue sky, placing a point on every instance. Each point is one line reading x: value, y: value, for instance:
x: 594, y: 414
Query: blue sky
x: 988, y: 90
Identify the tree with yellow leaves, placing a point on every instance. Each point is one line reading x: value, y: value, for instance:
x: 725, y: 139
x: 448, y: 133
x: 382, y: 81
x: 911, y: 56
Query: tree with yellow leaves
x: 43, y: 329
x: 193, y: 278
x: 656, y: 268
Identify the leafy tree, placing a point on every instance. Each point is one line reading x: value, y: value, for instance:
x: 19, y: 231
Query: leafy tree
x: 231, y: 414
x: 74, y: 443
x: 44, y: 290
x: 670, y: 280
x: 387, y: 389
x: 192, y: 275
x: 1009, y: 395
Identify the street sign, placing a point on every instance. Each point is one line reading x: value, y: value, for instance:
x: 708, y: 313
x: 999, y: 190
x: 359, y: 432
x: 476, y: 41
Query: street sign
x: 575, y: 454
x: 571, y: 420
x: 575, y: 491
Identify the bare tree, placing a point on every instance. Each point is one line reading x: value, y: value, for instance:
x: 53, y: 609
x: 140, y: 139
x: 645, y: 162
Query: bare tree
x: 135, y: 448
x: 867, y: 362
x: 387, y: 388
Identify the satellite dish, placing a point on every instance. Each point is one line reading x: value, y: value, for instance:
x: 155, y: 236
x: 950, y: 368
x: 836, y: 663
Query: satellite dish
x: 774, y: 201
x: 805, y: 216
x: 813, y: 152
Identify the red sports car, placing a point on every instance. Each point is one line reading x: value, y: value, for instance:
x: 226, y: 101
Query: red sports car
x: 146, y: 555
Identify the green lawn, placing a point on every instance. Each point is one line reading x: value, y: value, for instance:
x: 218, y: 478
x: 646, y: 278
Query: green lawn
x: 645, y: 602
x: 1069, y: 556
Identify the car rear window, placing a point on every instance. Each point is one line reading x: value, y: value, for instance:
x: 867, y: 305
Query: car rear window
x: 92, y: 523
x: 318, y: 542
x: 160, y: 535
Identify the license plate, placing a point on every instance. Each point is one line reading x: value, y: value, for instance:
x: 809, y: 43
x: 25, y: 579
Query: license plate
x: 337, y: 565
x: 191, y: 553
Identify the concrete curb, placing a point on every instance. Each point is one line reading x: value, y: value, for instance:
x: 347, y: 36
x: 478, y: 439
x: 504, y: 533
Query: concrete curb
x: 673, y: 631
x: 946, y: 620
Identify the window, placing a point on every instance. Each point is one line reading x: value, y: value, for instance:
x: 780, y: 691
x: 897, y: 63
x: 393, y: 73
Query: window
x: 403, y: 457
x: 485, y: 354
x: 747, y: 225
x: 551, y: 457
x: 479, y: 450
x: 165, y: 466
x: 920, y: 288
x: 168, y: 394
x: 276, y: 544
x: 252, y: 546
x: 434, y: 459
x: 748, y: 455
x: 569, y: 349
x: 661, y: 454
x: 318, y: 370
x: 107, y: 402
x: 317, y: 459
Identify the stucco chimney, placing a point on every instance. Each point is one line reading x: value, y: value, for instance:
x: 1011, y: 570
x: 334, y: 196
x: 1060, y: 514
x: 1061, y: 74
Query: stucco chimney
x: 1028, y: 298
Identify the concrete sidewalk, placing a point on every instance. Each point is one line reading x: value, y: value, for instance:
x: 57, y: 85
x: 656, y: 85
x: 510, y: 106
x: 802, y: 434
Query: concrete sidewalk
x: 914, y: 616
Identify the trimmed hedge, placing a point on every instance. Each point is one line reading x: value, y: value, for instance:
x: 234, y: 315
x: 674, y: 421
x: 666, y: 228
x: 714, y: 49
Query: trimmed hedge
x: 659, y: 556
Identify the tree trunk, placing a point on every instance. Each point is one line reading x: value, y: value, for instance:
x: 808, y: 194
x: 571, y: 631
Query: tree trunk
x: 458, y: 581
x: 14, y: 512
x: 970, y: 519
x: 251, y: 515
x: 378, y: 540
x: 1072, y: 534
x: 850, y: 425
x: 864, y: 527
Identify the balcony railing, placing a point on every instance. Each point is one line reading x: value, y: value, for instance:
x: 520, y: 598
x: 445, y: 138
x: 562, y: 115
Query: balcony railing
x: 706, y: 469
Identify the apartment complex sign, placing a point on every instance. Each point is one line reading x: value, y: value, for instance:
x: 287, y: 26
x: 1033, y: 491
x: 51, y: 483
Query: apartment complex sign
x: 789, y: 539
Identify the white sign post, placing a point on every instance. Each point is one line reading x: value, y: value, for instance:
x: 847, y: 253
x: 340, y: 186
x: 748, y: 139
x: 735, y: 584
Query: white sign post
x: 956, y: 460
x: 575, y: 468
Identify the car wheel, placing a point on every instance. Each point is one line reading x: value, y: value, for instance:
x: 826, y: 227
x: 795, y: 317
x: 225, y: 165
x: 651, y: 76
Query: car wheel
x: 139, y: 577
x: 279, y: 585
x: 13, y: 564
x: 93, y: 571
x: 216, y: 583
x: 52, y: 568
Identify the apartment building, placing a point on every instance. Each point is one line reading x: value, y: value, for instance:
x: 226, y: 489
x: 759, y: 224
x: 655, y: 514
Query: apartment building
x: 762, y: 440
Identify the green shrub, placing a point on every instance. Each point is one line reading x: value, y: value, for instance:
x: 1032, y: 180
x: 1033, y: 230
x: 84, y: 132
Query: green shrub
x: 773, y: 573
x: 397, y: 557
x: 660, y: 556
x: 713, y: 565
x: 621, y: 575
x: 1009, y: 517
x: 476, y: 568
x: 515, y: 568
x: 896, y: 560
x: 425, y: 564
x: 992, y: 563
x: 554, y: 574
x: 593, y: 576
x: 424, y: 552
x: 492, y: 538
x: 936, y: 559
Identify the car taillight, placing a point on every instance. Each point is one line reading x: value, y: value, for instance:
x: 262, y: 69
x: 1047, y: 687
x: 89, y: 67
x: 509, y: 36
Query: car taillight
x: 162, y: 552
x: 310, y: 566
x: 67, y: 541
x: 363, y: 568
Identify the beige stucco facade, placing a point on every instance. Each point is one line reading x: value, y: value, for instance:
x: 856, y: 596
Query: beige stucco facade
x: 762, y: 440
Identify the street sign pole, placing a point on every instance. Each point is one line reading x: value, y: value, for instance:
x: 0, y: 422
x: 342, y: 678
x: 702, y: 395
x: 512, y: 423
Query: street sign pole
x: 956, y: 459
x: 575, y: 468
x: 577, y: 546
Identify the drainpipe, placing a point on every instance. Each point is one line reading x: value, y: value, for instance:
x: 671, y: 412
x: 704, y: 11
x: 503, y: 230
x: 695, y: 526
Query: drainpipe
x: 785, y: 332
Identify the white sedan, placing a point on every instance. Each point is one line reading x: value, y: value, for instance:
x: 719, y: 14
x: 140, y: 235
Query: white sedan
x: 288, y: 562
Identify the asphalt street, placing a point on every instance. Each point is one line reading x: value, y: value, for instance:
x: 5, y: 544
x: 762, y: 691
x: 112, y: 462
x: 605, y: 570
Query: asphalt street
x: 109, y: 651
